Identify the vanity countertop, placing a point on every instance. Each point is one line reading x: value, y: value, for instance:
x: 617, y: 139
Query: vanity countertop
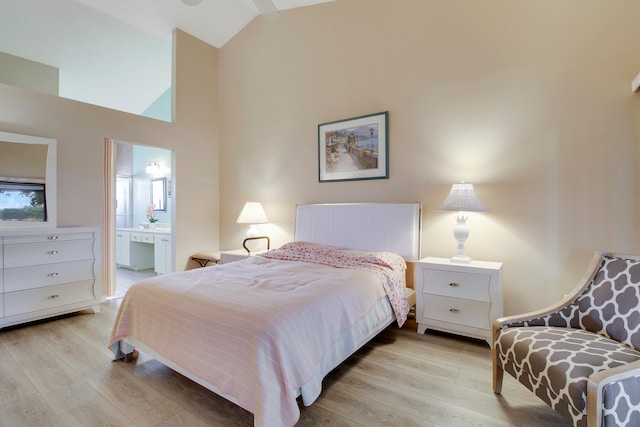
x: 160, y: 230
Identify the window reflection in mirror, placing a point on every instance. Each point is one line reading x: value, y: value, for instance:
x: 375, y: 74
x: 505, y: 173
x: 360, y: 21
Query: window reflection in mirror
x: 27, y: 181
x: 159, y: 194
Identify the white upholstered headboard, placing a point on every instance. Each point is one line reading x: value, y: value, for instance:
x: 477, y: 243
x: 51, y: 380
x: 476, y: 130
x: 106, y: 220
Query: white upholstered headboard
x: 378, y: 227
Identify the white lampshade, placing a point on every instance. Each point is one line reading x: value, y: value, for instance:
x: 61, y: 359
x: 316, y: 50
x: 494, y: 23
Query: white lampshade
x: 462, y: 198
x: 252, y: 213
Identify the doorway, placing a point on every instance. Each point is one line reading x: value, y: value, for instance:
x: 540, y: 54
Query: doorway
x: 140, y: 224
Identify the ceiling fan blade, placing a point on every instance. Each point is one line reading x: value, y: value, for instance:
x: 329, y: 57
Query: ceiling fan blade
x: 191, y: 2
x: 266, y: 8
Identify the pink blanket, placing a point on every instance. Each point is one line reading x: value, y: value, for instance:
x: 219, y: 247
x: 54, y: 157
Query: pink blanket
x: 255, y: 329
x: 389, y: 266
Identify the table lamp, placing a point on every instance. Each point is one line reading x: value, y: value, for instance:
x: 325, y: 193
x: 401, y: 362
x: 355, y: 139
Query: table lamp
x: 253, y: 214
x: 463, y: 199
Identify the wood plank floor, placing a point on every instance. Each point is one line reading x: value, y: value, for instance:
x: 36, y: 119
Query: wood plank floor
x: 60, y: 373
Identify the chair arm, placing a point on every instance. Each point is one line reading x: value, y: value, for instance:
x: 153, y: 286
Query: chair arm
x: 555, y: 308
x: 533, y: 315
x: 518, y: 319
x: 596, y: 393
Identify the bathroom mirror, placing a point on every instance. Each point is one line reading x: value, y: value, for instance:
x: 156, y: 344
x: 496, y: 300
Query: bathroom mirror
x: 28, y: 192
x: 159, y: 194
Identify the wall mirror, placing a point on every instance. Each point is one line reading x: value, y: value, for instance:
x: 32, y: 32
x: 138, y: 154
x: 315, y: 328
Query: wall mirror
x: 28, y: 181
x: 159, y: 194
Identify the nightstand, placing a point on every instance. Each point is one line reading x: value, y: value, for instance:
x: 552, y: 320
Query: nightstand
x: 236, y: 255
x: 463, y: 299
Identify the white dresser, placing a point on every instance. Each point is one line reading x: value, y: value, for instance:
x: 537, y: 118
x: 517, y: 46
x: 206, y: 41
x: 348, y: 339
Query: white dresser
x: 458, y: 298
x: 47, y: 272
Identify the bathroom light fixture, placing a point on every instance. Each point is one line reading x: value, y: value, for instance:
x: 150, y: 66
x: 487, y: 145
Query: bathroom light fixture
x: 462, y: 198
x: 153, y: 168
x: 253, y: 214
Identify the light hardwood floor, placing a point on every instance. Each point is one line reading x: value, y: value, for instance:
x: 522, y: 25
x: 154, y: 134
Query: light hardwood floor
x: 60, y: 373
x: 125, y: 278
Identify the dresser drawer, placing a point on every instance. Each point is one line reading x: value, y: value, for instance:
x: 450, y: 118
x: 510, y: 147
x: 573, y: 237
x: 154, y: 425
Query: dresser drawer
x: 48, y: 237
x: 457, y: 284
x: 23, y: 254
x: 461, y: 312
x: 48, y: 297
x: 22, y: 278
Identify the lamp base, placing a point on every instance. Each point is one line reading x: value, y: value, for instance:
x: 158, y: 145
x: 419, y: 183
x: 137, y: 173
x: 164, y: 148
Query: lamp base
x: 461, y: 232
x: 461, y: 259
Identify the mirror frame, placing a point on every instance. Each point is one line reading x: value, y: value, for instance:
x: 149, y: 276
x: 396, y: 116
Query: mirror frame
x: 51, y: 189
x: 161, y: 182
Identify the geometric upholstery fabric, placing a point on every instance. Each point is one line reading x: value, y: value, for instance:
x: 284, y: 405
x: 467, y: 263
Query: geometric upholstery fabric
x: 554, y: 353
x: 608, y: 306
x: 556, y: 363
x: 622, y: 403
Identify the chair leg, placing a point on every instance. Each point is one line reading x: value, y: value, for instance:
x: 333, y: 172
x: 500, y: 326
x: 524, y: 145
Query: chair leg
x: 498, y: 371
x: 498, y: 374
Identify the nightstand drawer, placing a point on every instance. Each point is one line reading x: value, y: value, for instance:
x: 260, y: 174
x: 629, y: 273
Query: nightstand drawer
x: 457, y: 284
x: 456, y: 311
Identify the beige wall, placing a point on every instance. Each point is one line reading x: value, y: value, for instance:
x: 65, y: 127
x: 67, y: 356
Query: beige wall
x: 28, y: 74
x: 80, y: 130
x: 529, y: 100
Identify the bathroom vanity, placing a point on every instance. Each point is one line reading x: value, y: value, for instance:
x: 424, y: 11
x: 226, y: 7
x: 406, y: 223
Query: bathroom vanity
x: 143, y: 249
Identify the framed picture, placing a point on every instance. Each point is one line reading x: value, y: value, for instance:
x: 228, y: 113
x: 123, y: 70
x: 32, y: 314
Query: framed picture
x: 354, y: 149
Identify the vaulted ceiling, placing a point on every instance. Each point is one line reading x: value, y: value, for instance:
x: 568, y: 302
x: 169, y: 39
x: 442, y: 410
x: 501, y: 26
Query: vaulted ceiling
x: 117, y: 53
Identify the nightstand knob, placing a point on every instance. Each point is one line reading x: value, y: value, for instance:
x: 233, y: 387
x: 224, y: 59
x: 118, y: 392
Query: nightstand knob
x: 453, y: 285
x: 454, y: 310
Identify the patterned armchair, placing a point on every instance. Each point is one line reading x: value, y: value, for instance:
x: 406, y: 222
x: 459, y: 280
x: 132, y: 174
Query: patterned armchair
x: 582, y: 356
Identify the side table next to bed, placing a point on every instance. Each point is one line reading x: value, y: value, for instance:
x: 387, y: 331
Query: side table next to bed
x: 236, y: 255
x: 458, y: 298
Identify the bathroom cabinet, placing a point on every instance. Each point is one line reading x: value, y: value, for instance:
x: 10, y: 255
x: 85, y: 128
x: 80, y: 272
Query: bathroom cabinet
x: 162, y: 254
x: 132, y: 251
x: 143, y: 249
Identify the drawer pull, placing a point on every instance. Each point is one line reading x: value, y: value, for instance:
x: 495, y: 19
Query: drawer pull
x: 53, y: 274
x: 453, y: 285
x: 454, y: 310
x: 52, y: 237
x: 53, y: 252
x: 53, y: 297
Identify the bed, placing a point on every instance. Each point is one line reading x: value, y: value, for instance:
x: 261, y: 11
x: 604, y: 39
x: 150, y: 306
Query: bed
x: 266, y: 330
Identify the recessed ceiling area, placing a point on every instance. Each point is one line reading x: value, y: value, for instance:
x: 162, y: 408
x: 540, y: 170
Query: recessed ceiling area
x: 117, y: 53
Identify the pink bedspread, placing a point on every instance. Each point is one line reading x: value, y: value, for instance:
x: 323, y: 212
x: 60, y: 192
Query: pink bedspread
x: 255, y: 329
